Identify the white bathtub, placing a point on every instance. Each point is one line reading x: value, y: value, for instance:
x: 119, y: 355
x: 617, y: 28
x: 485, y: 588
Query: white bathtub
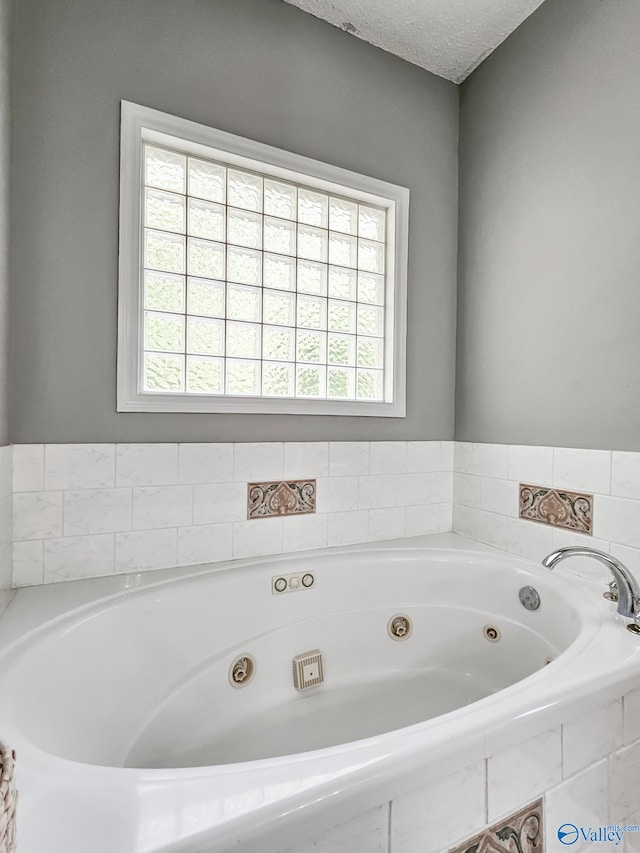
x: 130, y: 737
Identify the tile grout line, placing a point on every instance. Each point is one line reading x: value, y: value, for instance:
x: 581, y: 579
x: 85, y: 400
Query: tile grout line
x: 486, y: 791
x: 611, y: 472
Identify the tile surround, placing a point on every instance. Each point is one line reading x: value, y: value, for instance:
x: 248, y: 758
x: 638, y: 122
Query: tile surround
x: 151, y: 498
x: 582, y: 800
x: 366, y: 833
x: 582, y: 470
x: 89, y: 510
x: 529, y: 464
x: 632, y: 716
x: 348, y: 528
x: 618, y: 520
x: 482, y: 509
x: 593, y: 791
x: 430, y: 819
x: 142, y: 464
x: 79, y: 466
x: 624, y: 798
x: 539, y: 764
x: 205, y: 463
x: 461, y: 804
x: 37, y: 515
x: 135, y: 551
x: 591, y: 736
x: 308, y: 531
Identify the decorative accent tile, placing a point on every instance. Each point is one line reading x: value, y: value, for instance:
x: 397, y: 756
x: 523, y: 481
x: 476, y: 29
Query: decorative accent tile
x: 557, y: 507
x: 293, y: 497
x: 522, y: 831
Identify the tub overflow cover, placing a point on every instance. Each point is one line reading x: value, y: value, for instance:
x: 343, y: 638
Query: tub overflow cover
x: 529, y: 598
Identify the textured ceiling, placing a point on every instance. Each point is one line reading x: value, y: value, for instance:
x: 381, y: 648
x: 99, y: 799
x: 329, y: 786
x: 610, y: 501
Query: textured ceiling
x: 448, y: 37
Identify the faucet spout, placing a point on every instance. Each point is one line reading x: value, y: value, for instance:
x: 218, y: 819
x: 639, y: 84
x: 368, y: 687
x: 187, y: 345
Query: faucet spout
x: 628, y: 588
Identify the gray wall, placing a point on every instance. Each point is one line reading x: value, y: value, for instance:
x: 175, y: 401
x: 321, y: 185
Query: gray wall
x: 5, y: 452
x: 549, y: 264
x: 4, y: 219
x: 258, y: 68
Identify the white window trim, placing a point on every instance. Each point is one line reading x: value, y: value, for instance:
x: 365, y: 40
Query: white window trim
x: 141, y: 124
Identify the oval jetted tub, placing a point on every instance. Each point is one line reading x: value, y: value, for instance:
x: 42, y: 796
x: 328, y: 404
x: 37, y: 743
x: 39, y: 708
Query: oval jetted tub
x: 170, y: 717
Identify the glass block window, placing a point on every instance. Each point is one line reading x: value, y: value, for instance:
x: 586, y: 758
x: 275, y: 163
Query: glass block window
x: 259, y: 285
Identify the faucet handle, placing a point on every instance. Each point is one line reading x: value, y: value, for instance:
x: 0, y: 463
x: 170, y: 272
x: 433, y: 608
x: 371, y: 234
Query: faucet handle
x: 612, y: 595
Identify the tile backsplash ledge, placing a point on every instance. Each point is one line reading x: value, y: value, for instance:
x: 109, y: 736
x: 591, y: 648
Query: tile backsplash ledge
x: 87, y: 510
x: 97, y: 509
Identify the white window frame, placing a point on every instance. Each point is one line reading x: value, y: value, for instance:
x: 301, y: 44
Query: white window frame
x: 141, y: 125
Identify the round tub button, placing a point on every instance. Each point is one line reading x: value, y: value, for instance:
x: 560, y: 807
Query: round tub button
x: 308, y: 580
x: 293, y: 583
x: 280, y: 584
x: 529, y: 598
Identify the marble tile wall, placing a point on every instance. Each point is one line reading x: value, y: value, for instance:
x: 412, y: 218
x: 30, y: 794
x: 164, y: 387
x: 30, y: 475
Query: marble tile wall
x: 586, y: 770
x: 88, y: 510
x: 486, y: 480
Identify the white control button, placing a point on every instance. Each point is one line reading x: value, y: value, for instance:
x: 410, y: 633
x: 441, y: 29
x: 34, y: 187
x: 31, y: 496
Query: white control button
x: 307, y: 580
x: 280, y: 584
x: 309, y: 672
x: 294, y: 583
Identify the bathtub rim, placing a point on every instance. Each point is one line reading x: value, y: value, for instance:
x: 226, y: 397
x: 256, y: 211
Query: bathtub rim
x: 46, y: 605
x: 352, y: 782
x: 97, y: 602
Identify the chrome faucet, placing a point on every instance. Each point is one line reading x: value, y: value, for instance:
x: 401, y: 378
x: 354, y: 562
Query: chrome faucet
x: 626, y: 584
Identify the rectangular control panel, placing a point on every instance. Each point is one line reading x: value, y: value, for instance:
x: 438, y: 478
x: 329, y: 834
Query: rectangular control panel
x: 293, y: 582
